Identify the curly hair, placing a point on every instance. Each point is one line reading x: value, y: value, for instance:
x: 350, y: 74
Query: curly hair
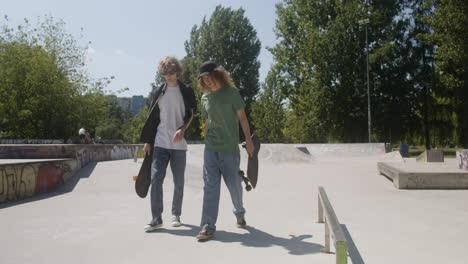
x: 168, y: 64
x: 220, y: 75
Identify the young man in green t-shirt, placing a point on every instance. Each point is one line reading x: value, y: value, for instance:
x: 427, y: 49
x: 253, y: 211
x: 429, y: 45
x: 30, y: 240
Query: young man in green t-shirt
x: 222, y: 109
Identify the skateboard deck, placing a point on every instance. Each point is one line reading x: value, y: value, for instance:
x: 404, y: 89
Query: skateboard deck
x: 143, y: 180
x: 252, y: 165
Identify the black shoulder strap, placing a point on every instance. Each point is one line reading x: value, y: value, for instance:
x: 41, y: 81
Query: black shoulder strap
x: 157, y: 95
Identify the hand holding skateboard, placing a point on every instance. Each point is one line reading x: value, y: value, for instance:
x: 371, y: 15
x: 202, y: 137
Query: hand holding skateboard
x: 252, y: 147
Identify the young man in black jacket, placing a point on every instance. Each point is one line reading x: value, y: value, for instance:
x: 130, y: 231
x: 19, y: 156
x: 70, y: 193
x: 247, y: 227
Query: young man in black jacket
x: 163, y: 134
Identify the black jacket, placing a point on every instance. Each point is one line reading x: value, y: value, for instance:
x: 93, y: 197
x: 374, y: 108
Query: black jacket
x: 148, y: 133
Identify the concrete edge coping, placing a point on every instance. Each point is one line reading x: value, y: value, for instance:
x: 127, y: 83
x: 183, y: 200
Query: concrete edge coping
x: 388, y: 170
x: 327, y: 215
x: 23, y: 161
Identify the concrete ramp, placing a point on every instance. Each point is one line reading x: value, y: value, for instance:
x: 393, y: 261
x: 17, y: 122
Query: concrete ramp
x: 307, y: 153
x: 283, y: 153
x: 345, y: 149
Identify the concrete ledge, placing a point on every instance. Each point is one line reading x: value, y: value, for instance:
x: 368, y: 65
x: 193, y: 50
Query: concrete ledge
x: 61, y: 151
x: 31, y: 141
x: 431, y: 155
x: 28, y: 170
x: 415, y: 175
x: 19, y: 180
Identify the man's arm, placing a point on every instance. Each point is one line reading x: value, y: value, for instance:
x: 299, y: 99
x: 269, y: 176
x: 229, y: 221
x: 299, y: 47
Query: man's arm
x: 246, y: 129
x: 179, y: 134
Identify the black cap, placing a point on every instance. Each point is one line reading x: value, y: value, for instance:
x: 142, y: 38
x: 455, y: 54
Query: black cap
x: 206, y: 68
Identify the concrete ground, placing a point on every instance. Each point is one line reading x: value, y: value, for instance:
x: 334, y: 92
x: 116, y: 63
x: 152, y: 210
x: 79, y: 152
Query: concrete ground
x: 98, y: 218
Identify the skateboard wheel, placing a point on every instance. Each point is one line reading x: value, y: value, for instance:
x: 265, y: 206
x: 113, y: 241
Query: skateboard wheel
x: 248, y: 188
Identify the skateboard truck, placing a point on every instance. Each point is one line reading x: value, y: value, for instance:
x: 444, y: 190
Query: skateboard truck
x: 246, y: 181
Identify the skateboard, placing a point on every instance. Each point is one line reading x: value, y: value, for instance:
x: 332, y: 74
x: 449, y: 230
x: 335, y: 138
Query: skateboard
x: 250, y: 180
x: 143, y: 180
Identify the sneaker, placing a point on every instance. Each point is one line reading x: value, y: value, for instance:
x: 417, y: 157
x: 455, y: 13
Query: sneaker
x: 204, y: 234
x: 241, y: 222
x: 176, y: 221
x: 154, y: 224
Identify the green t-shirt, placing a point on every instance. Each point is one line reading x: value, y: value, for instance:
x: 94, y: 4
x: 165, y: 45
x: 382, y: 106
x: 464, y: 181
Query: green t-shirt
x: 220, y: 108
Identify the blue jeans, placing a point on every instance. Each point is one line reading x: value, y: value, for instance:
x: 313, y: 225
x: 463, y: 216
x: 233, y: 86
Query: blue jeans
x: 161, y: 158
x: 215, y: 165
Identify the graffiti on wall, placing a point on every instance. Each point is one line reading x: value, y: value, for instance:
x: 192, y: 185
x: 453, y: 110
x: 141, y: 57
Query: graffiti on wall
x: 462, y: 158
x: 19, y: 181
x: 84, y: 156
x: 31, y: 141
x: 23, y: 180
x: 118, y: 153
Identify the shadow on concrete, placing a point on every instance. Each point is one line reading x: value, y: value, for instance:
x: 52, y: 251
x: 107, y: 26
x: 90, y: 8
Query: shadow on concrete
x: 258, y: 238
x: 64, y: 188
x: 255, y: 238
x: 83, y: 173
x: 192, y: 232
x: 353, y: 252
x: 304, y: 150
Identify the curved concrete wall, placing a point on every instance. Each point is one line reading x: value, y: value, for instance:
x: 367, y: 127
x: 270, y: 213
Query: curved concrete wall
x: 21, y: 178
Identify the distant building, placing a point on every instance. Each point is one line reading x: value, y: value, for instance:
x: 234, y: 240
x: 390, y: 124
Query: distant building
x: 124, y: 102
x: 137, y: 104
x: 134, y: 104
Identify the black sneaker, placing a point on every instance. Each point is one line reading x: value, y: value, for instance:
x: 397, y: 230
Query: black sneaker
x: 205, y: 234
x: 155, y: 224
x: 241, y: 222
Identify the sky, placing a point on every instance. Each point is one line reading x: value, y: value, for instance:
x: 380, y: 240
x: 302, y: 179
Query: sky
x: 128, y: 38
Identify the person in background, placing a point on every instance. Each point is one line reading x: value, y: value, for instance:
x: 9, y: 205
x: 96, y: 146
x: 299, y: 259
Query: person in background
x: 82, y: 133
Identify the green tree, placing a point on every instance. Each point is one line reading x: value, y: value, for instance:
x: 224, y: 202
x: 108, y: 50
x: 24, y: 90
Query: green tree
x: 132, y: 129
x: 268, y: 114
x: 112, y: 126
x: 45, y: 91
x: 32, y: 90
x: 449, y: 35
x: 322, y: 56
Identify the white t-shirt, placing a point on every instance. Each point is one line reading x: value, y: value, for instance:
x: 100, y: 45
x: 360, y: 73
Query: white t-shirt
x: 172, y: 112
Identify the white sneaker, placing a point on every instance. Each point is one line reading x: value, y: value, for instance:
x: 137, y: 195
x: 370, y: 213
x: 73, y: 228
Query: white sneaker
x: 176, y: 221
x: 154, y: 224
